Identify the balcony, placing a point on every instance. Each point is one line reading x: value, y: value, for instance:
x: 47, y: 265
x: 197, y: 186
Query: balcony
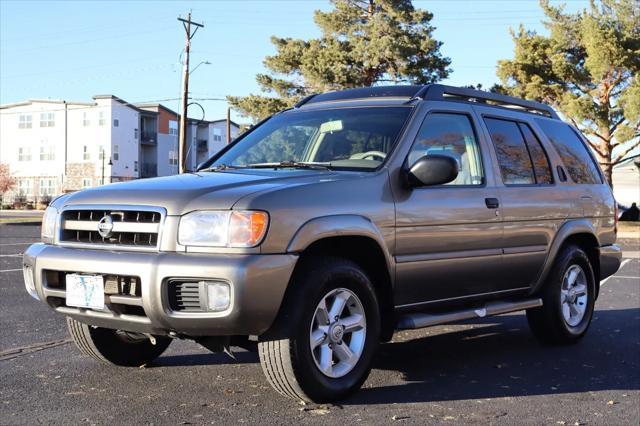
x: 202, y: 145
x: 149, y: 138
x: 148, y: 170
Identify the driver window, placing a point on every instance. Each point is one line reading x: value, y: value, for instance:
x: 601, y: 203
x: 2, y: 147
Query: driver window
x: 452, y: 135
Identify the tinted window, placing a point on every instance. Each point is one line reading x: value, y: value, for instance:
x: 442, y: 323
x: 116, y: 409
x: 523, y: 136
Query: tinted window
x: 574, y: 154
x: 538, y: 156
x: 513, y: 157
x: 452, y: 135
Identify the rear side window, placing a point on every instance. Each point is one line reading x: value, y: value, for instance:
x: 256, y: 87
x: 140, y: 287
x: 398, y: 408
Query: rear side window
x: 573, y: 152
x: 538, y: 156
x: 515, y: 164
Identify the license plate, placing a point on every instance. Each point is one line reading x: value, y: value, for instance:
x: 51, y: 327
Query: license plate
x: 85, y: 291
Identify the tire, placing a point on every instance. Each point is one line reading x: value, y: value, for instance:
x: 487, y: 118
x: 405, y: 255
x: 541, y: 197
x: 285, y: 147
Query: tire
x: 569, y: 289
x: 115, y: 347
x: 290, y: 364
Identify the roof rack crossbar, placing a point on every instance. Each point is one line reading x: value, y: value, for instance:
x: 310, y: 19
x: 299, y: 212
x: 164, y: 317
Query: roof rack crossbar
x: 440, y: 91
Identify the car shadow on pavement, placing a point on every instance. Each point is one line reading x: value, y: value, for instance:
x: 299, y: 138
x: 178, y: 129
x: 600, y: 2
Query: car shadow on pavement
x: 499, y: 357
x: 241, y: 357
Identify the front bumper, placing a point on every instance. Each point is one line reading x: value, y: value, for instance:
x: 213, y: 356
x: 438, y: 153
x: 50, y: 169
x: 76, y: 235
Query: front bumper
x: 258, y: 283
x: 610, y: 258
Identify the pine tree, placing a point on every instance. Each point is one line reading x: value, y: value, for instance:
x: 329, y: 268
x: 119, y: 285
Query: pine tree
x: 363, y: 43
x: 588, y: 68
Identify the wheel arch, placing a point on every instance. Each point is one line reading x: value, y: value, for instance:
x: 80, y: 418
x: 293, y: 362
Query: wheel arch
x: 580, y: 233
x: 355, y: 238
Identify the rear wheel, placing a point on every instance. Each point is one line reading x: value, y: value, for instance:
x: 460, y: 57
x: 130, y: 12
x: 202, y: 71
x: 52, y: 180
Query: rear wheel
x: 568, y: 300
x: 330, y: 326
x: 116, y: 346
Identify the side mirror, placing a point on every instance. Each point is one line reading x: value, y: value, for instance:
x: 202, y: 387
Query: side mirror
x: 430, y: 170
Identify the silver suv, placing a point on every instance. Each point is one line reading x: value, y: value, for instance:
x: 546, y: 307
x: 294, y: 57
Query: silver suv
x: 325, y: 228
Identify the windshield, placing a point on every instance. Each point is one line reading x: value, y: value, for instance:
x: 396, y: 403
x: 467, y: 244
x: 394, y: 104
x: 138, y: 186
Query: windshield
x: 351, y: 138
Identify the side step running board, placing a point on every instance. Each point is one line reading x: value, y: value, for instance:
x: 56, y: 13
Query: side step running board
x: 420, y: 320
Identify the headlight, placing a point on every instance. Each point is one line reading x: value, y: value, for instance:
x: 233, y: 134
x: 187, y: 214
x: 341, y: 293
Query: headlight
x: 223, y: 228
x: 49, y: 220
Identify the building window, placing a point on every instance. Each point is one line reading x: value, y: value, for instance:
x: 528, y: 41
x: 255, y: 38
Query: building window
x: 85, y: 119
x: 24, y: 121
x: 24, y: 154
x: 101, y: 119
x: 217, y: 135
x: 25, y: 187
x: 116, y: 152
x: 85, y: 153
x: 47, y: 153
x: 86, y: 182
x: 47, y: 119
x: 135, y: 166
x: 101, y: 153
x: 135, y: 133
x: 116, y: 123
x: 173, y: 158
x: 173, y: 127
x: 47, y: 186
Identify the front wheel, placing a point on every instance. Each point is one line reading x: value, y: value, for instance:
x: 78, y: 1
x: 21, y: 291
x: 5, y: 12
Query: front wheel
x: 116, y: 346
x: 331, y: 326
x: 568, y: 300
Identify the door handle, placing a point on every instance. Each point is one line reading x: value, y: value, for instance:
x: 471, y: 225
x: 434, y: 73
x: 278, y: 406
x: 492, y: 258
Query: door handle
x: 492, y: 203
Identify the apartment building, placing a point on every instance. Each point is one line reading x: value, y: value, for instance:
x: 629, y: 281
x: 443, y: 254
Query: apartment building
x: 159, y: 140
x: 55, y: 146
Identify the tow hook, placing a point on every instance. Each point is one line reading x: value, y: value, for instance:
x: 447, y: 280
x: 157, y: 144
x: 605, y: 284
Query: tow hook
x: 151, y: 338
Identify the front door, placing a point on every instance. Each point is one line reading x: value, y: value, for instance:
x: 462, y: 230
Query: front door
x: 449, y: 237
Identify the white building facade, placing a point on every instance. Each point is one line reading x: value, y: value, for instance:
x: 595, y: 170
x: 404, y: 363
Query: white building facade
x: 56, y: 146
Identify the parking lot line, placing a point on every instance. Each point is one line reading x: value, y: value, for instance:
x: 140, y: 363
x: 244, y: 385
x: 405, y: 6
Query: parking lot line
x: 19, y: 244
x: 11, y: 270
x: 624, y: 262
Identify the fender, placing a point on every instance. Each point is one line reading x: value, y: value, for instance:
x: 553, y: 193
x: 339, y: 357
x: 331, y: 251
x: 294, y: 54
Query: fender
x: 567, y: 229
x: 340, y: 226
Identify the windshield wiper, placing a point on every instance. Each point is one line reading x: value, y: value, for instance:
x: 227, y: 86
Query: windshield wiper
x: 291, y: 164
x: 221, y: 167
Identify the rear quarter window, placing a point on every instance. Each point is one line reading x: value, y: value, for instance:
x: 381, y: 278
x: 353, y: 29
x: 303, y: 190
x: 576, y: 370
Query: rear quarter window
x: 572, y: 151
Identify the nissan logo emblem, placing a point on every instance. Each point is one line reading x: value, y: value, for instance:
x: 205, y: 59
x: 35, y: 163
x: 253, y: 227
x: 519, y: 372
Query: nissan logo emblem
x: 105, y: 226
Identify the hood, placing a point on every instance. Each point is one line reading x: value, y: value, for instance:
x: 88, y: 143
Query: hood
x: 180, y: 194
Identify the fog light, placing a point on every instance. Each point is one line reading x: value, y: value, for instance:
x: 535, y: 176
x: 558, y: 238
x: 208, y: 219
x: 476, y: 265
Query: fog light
x: 29, y: 284
x: 218, y: 296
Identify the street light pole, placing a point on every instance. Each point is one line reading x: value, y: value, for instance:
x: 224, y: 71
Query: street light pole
x: 110, y: 163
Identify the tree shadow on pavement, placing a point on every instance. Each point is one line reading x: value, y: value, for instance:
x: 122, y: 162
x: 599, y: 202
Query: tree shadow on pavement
x: 241, y: 357
x: 501, y: 358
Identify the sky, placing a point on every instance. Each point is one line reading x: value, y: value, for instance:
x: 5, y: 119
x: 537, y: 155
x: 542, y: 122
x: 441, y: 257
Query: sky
x: 74, y: 50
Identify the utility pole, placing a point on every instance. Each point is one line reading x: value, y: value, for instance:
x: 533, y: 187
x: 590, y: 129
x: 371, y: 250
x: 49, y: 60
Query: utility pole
x: 228, y: 125
x: 182, y: 142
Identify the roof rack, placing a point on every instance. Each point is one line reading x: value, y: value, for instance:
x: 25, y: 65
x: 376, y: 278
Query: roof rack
x: 439, y: 92
x: 399, y: 91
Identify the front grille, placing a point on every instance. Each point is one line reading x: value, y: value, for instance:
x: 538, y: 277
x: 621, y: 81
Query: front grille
x: 126, y: 228
x: 185, y: 296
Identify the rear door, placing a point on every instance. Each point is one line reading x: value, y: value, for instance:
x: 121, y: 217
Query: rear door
x: 448, y: 237
x: 532, y: 209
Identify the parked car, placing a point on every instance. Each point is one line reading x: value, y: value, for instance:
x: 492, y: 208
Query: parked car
x: 330, y: 225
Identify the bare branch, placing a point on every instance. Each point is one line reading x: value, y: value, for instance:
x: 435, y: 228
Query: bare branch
x: 615, y: 125
x: 620, y: 157
x: 596, y: 148
x: 605, y: 140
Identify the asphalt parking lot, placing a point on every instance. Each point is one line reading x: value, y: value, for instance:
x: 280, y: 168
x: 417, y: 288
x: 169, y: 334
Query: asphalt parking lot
x: 488, y: 372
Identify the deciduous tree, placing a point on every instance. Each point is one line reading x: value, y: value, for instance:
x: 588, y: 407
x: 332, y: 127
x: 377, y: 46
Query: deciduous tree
x: 7, y: 182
